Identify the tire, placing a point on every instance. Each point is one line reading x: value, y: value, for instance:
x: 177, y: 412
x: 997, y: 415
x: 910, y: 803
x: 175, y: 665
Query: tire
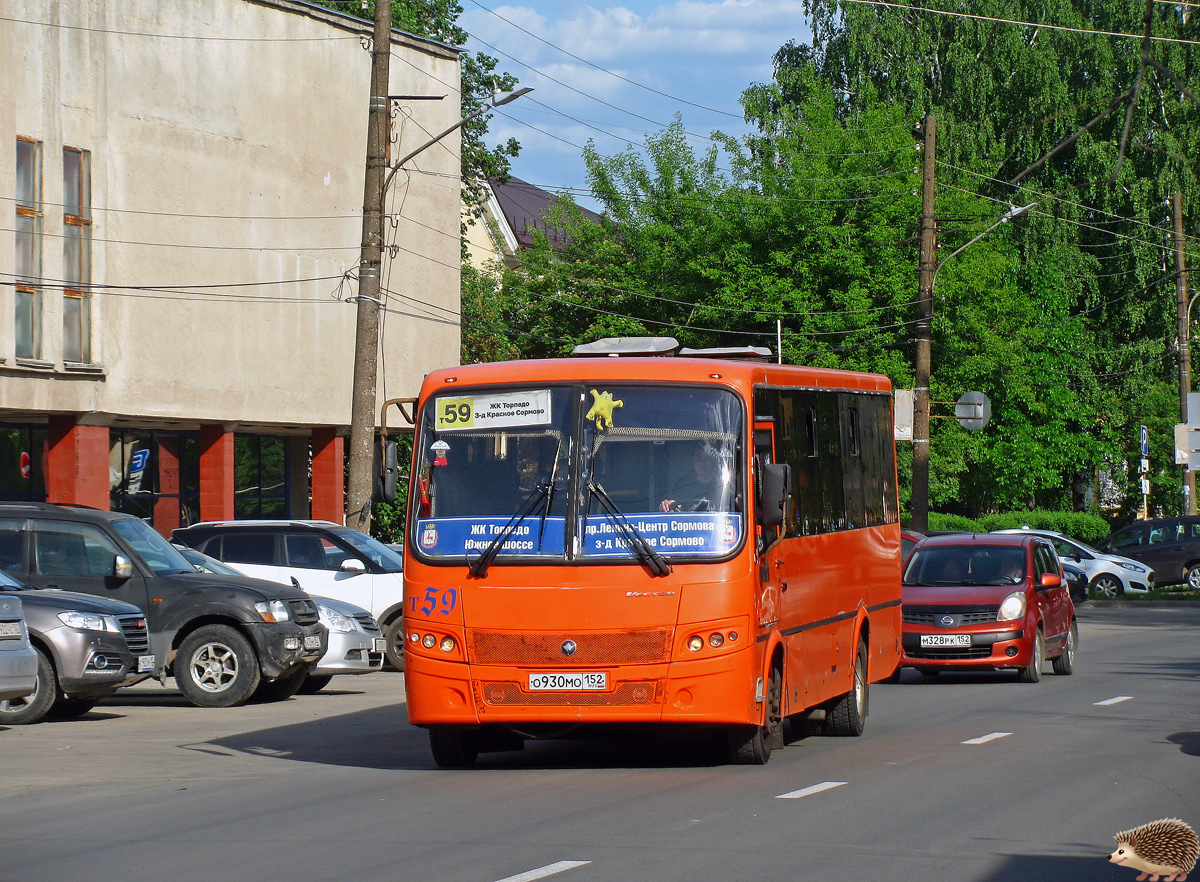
x: 1032, y: 672
x: 848, y: 716
x: 284, y: 687
x: 1065, y: 663
x: 1191, y: 577
x: 1106, y: 586
x: 453, y: 748
x: 394, y: 631
x: 752, y: 745
x: 33, y: 707
x: 315, y: 683
x: 71, y: 708
x: 216, y: 667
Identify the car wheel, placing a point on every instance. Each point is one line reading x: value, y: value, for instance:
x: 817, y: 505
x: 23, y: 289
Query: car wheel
x: 315, y: 683
x: 1033, y: 671
x: 216, y: 667
x: 453, y: 748
x: 394, y: 631
x: 1107, y: 587
x: 752, y: 745
x: 33, y: 707
x: 1192, y: 577
x: 283, y: 687
x: 848, y: 716
x: 1065, y: 663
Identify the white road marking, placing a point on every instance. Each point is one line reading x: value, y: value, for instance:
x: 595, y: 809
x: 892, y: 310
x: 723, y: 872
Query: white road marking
x: 543, y: 872
x: 984, y: 739
x: 1116, y: 700
x: 809, y: 791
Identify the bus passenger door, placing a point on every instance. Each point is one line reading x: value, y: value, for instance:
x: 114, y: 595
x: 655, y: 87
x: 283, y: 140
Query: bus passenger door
x: 766, y: 539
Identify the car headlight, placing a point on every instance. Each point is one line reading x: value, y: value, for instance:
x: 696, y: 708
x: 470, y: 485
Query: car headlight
x: 1130, y: 566
x: 1013, y: 607
x: 274, y: 610
x: 89, y: 621
x: 334, y: 620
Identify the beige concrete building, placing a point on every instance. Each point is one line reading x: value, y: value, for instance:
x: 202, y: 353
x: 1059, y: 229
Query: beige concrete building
x: 183, y: 189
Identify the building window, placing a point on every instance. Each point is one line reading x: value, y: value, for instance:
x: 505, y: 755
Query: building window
x: 29, y: 249
x: 22, y: 452
x: 77, y: 255
x: 260, y: 468
x: 155, y: 476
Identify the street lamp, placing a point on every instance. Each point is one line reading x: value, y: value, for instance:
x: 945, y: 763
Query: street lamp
x: 920, y: 472
x: 361, y: 478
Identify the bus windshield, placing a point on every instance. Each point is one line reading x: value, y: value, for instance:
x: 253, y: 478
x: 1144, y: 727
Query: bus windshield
x: 580, y: 472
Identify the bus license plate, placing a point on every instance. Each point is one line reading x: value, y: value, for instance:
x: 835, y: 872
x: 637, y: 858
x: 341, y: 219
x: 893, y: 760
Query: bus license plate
x: 145, y: 663
x: 589, y: 681
x: 945, y: 639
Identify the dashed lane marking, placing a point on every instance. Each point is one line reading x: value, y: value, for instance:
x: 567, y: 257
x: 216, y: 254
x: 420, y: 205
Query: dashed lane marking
x: 984, y: 739
x: 543, y: 872
x: 1114, y: 700
x: 809, y: 791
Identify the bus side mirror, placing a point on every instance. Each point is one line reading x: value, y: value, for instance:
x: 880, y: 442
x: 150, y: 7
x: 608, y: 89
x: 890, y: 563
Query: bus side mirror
x: 385, y: 472
x: 776, y: 486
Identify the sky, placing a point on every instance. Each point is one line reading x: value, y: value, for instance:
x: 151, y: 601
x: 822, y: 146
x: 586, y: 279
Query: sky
x: 616, y: 72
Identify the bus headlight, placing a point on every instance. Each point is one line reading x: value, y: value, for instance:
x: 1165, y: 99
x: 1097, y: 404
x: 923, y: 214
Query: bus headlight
x: 695, y: 643
x: 447, y: 644
x: 429, y: 641
x: 716, y: 639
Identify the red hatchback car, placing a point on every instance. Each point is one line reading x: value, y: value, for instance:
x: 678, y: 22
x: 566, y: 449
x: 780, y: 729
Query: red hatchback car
x: 987, y: 601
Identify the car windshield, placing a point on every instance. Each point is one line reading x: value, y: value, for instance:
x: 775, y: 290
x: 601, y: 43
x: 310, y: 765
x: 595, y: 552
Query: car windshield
x: 202, y: 563
x: 378, y: 553
x: 599, y: 472
x: 157, y: 553
x: 966, y: 565
x: 8, y: 583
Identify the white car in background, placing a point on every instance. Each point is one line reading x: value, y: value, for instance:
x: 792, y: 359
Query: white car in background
x: 356, y: 644
x: 1109, y: 575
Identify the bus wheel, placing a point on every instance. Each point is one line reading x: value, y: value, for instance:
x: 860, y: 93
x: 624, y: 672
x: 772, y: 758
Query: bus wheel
x: 848, y: 715
x: 453, y: 748
x: 751, y: 745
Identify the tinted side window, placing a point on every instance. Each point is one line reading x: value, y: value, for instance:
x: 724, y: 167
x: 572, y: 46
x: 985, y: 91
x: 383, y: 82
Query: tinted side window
x: 1168, y: 532
x: 251, y: 548
x: 313, y: 552
x: 12, y: 533
x: 62, y: 549
x: 1128, y: 538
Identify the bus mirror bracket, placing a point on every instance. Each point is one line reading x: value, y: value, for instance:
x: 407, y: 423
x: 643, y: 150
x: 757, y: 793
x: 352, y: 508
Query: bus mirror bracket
x: 776, y: 486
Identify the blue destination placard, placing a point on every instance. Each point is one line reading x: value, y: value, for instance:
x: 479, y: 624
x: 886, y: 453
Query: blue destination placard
x: 694, y: 533
x: 458, y: 536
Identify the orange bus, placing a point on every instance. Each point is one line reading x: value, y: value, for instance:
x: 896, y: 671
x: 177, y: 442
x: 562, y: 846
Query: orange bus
x: 696, y: 543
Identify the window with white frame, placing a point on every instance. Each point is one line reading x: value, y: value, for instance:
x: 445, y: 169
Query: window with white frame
x: 77, y: 256
x: 29, y: 249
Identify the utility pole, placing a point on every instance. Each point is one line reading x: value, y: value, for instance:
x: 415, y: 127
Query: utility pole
x: 1185, y: 353
x: 928, y: 266
x: 360, y: 480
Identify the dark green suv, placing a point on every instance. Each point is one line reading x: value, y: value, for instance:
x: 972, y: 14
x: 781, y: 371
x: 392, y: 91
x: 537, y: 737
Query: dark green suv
x: 222, y: 638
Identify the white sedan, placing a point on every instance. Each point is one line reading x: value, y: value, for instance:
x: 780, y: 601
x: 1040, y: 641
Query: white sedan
x: 1109, y: 575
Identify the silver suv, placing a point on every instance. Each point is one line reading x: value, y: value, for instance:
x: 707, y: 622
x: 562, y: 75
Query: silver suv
x: 85, y: 647
x: 18, y: 661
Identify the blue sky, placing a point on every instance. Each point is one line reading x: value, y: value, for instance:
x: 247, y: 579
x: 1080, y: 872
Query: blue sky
x: 615, y: 72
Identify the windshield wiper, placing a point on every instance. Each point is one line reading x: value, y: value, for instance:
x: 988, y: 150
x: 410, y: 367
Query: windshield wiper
x: 528, y: 504
x: 655, y: 562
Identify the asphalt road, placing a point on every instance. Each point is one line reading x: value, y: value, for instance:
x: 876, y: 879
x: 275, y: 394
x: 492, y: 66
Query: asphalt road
x: 962, y: 777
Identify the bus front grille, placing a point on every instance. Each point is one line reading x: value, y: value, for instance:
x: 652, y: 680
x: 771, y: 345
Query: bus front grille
x: 626, y: 694
x: 568, y: 649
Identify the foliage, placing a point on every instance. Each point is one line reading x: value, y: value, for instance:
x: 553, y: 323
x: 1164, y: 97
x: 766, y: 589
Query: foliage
x: 1064, y: 316
x: 1079, y: 525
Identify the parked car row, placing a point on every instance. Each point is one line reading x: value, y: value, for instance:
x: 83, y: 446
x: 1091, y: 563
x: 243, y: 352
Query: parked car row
x: 96, y: 600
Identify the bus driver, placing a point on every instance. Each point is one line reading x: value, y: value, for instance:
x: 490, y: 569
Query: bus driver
x: 707, y: 491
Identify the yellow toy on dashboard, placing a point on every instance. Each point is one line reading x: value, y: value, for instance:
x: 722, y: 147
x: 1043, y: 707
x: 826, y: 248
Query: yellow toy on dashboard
x: 601, y: 411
